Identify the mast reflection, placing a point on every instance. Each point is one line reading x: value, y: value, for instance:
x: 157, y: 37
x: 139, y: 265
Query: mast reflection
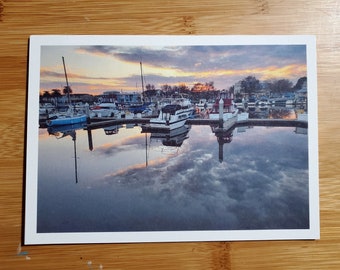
x: 61, y: 132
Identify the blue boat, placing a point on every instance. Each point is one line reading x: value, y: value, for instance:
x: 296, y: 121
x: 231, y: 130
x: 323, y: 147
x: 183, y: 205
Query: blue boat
x: 66, y: 120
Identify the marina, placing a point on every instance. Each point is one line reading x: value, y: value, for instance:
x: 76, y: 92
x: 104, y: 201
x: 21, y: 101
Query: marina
x: 193, y: 180
x: 124, y: 175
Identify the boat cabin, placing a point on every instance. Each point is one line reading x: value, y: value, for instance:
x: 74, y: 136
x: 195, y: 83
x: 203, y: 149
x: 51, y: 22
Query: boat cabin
x: 171, y: 109
x: 228, y: 105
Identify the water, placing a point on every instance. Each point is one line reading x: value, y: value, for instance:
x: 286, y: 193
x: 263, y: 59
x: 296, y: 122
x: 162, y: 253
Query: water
x: 130, y: 181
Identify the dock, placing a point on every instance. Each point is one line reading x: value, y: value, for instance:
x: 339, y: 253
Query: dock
x: 273, y: 123
x: 97, y: 122
x: 106, y: 122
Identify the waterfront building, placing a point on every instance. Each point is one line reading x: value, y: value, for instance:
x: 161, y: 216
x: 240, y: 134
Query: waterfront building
x: 123, y: 98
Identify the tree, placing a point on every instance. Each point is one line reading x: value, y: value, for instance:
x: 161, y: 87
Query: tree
x: 249, y: 85
x: 232, y: 89
x: 67, y: 90
x: 183, y: 88
x: 46, y: 96
x: 210, y: 86
x: 200, y: 87
x: 165, y: 87
x: 56, y: 93
x: 280, y: 86
x: 300, y: 83
x: 150, y: 93
x: 150, y: 87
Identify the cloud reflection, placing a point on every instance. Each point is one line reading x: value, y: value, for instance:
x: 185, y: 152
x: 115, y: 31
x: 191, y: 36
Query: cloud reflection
x: 261, y: 184
x: 255, y: 188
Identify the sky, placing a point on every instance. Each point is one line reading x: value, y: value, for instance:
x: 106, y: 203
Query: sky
x: 95, y: 69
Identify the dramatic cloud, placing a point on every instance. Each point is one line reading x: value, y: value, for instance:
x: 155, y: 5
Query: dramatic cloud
x: 118, y: 68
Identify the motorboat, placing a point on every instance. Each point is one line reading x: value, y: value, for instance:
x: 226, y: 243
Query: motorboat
x: 106, y: 110
x: 46, y: 111
x: 262, y: 102
x: 251, y: 101
x: 228, y: 107
x: 239, y: 103
x: 204, y: 104
x: 173, y: 116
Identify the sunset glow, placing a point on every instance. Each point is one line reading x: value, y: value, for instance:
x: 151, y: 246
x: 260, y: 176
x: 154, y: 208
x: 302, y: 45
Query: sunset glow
x: 95, y: 69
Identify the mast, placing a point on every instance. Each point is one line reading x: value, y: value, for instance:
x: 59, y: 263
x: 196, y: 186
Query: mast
x: 67, y: 85
x: 141, y: 75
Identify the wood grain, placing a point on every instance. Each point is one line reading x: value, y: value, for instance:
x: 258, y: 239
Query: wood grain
x: 20, y: 19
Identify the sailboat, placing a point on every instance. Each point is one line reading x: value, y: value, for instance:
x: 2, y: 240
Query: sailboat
x: 70, y: 117
x: 140, y: 107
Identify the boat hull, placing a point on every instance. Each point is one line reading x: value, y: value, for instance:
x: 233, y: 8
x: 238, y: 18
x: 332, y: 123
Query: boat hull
x: 171, y: 121
x: 66, y: 120
x: 162, y: 124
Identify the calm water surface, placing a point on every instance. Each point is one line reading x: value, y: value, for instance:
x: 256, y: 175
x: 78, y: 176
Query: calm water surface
x: 130, y: 181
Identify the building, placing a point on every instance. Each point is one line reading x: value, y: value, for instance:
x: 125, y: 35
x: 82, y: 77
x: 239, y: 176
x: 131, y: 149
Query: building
x: 238, y: 87
x: 123, y: 98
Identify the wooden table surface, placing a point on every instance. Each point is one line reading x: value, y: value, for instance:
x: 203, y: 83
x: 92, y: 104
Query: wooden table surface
x: 19, y: 19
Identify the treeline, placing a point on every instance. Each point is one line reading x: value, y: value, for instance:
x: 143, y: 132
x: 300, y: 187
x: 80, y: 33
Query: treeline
x: 248, y: 86
x: 251, y: 85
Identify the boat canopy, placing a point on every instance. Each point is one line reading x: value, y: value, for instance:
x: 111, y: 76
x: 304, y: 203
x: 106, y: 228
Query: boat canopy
x: 172, y: 108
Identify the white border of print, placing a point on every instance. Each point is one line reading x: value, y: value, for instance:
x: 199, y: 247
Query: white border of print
x: 31, y: 235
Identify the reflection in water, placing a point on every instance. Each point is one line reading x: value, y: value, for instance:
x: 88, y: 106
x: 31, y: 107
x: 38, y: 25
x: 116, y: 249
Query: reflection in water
x: 190, y: 179
x: 223, y: 136
x: 64, y: 131
x: 174, y: 137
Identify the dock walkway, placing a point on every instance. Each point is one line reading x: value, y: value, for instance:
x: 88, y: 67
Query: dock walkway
x: 106, y: 122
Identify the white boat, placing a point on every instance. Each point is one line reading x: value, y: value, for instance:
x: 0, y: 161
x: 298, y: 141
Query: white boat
x: 239, y: 103
x: 46, y: 111
x: 229, y: 112
x: 251, y: 101
x: 172, y: 116
x: 204, y: 104
x: 106, y: 110
x: 229, y: 109
x: 263, y: 102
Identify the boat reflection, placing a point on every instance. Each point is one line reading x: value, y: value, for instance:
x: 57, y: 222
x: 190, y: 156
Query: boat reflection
x: 112, y: 130
x: 168, y: 141
x: 64, y: 131
x: 173, y: 138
